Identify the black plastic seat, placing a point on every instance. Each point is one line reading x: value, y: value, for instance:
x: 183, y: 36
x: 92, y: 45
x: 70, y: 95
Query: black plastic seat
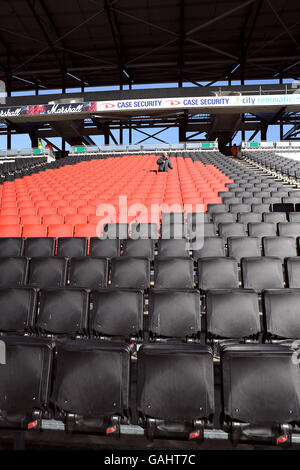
x: 215, y: 208
x: 115, y: 230
x: 174, y: 313
x: 172, y: 248
x: 243, y: 247
x: 209, y: 230
x: 175, y: 390
x: 281, y: 312
x: 25, y: 382
x: 117, y: 314
x: 13, y: 271
x: 232, y: 230
x: 63, y: 312
x: 48, y: 272
x: 251, y: 200
x: 262, y: 273
x: 141, y: 248
x: 104, y: 248
x: 88, y: 272
x: 72, y: 247
x: 39, y: 246
x: 174, y: 273
x: 91, y: 385
x: 293, y: 217
x: 212, y: 246
x: 279, y: 207
x: 11, y: 246
x: 248, y: 217
x: 263, y: 229
x: 236, y: 208
x: 282, y: 247
x: 144, y: 230
x: 289, y: 229
x: 224, y: 217
x: 173, y: 218
x: 217, y: 273
x: 131, y: 273
x: 274, y: 217
x: 196, y: 218
x: 293, y: 272
x: 260, y: 388
x: 17, y: 310
x: 173, y: 231
x: 232, y: 314
x: 260, y: 208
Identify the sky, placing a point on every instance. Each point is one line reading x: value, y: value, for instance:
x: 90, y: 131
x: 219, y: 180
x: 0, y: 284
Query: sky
x: 170, y: 135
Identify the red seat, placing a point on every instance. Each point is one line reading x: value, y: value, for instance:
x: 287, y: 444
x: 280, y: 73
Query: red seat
x: 10, y: 230
x: 53, y: 219
x: 60, y: 230
x: 27, y: 211
x: 67, y: 210
x: 9, y: 219
x: 9, y: 211
x: 34, y: 230
x: 87, y: 210
x: 86, y: 230
x: 75, y: 219
x: 47, y: 211
x: 30, y: 219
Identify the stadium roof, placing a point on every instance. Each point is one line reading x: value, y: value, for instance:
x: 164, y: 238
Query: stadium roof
x: 111, y: 42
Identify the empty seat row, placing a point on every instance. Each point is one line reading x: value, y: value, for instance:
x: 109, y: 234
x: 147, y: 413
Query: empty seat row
x: 175, y: 272
x: 114, y: 314
x: 90, y: 389
x: 245, y: 247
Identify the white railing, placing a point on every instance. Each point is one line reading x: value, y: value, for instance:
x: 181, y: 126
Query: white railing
x: 27, y: 153
x: 265, y: 145
x: 144, y: 148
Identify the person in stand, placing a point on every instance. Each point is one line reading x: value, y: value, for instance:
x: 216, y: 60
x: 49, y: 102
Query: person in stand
x: 234, y: 150
x: 49, y: 147
x: 164, y: 163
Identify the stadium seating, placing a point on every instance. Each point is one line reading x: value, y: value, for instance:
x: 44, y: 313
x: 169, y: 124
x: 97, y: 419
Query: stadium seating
x: 260, y: 386
x: 99, y: 296
x: 175, y: 397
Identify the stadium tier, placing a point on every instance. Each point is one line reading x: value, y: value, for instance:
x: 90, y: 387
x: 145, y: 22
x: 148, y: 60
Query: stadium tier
x: 107, y: 332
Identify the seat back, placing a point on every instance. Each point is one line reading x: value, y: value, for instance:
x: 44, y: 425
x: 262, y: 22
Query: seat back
x: 25, y: 383
x: 232, y: 313
x: 117, y: 313
x: 174, y: 313
x: 175, y: 392
x: 63, y: 312
x: 174, y: 273
x: 97, y: 402
x: 217, y: 273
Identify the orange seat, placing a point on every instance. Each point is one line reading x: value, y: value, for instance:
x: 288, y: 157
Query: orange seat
x: 51, y: 219
x: 75, y: 219
x: 9, y: 211
x: 60, y: 230
x: 30, y: 219
x: 87, y: 230
x: 67, y: 210
x: 47, y: 211
x: 27, y: 211
x: 10, y: 230
x: 9, y: 219
x: 34, y: 230
x: 87, y: 210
